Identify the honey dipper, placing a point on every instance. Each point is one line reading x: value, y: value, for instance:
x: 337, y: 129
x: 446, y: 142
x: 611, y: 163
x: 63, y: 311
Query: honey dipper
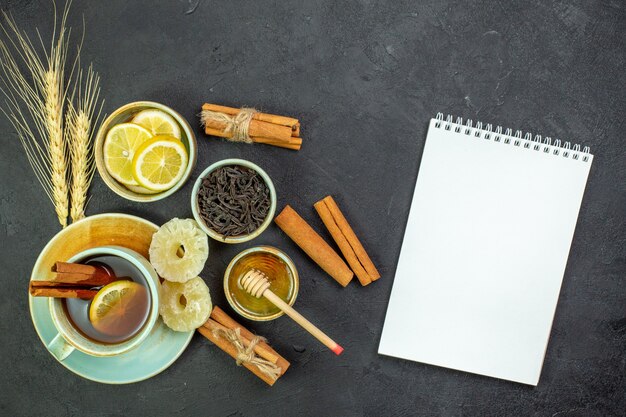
x: 256, y: 284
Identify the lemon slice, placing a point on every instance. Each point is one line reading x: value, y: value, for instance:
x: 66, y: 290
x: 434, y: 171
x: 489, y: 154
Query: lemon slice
x: 140, y: 190
x: 117, y: 306
x: 160, y: 163
x: 158, y: 122
x: 119, y: 148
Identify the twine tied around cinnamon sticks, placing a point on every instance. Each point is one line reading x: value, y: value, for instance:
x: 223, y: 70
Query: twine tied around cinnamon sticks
x: 236, y: 127
x: 233, y: 338
x: 246, y: 354
x: 248, y: 125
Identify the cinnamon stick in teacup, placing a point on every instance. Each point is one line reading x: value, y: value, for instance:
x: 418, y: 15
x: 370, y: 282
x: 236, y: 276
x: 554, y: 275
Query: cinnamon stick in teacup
x: 313, y: 245
x: 72, y: 280
x: 346, y: 239
x: 79, y: 274
x: 39, y: 289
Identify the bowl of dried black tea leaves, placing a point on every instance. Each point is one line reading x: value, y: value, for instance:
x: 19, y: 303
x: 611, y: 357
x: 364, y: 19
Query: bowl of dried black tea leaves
x: 233, y: 201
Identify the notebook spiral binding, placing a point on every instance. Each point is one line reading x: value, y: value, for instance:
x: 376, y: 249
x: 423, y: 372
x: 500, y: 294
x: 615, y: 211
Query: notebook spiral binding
x: 536, y: 143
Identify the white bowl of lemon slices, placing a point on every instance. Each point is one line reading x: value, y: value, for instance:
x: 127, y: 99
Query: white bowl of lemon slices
x: 145, y: 151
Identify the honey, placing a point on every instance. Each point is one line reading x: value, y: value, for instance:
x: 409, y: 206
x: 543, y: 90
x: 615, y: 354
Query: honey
x: 280, y: 272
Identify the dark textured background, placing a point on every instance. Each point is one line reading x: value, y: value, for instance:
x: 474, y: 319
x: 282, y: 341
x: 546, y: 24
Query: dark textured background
x: 364, y: 77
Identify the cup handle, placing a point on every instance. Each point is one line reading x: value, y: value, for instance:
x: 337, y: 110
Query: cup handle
x: 60, y: 348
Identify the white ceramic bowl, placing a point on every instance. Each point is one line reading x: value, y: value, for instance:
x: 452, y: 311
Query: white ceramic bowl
x: 233, y: 239
x: 123, y: 115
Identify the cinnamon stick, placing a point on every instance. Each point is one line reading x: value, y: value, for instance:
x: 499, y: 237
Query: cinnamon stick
x: 256, y: 129
x: 74, y: 268
x: 313, y: 245
x: 346, y: 239
x: 61, y: 292
x: 295, y: 130
x: 343, y: 243
x: 79, y: 274
x: 40, y: 284
x: 293, y: 143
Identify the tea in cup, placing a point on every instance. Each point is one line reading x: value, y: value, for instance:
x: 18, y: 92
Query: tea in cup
x: 119, y: 317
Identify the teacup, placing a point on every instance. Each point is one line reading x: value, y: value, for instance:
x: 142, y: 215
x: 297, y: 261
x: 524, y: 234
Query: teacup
x: 69, y: 338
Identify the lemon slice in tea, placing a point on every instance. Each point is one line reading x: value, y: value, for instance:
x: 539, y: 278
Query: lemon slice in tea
x: 119, y: 148
x: 158, y: 122
x: 119, y: 308
x: 160, y: 163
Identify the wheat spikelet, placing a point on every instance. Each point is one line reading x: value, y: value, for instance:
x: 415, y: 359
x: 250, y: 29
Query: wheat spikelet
x: 82, y: 116
x: 35, y: 107
x: 53, y: 103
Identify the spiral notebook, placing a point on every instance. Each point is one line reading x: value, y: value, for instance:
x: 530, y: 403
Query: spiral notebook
x: 485, y: 248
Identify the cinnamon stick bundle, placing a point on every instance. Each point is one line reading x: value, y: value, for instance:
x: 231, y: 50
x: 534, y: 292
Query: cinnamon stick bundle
x: 265, y: 128
x: 259, y: 349
x: 346, y: 239
x: 220, y: 320
x: 313, y: 245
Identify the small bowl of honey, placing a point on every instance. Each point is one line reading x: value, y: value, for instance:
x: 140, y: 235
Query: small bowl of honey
x: 279, y: 269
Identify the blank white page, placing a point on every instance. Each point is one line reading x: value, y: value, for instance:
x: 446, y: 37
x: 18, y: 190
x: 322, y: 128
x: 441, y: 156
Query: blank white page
x: 484, y: 252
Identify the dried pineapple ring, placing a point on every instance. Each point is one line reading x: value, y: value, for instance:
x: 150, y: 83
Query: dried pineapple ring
x: 165, y: 250
x: 185, y: 306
